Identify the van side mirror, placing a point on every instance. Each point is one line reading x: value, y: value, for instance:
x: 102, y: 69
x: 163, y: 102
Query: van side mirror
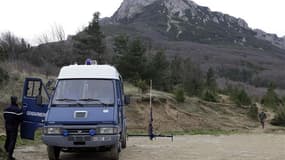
x: 39, y: 100
x: 127, y: 100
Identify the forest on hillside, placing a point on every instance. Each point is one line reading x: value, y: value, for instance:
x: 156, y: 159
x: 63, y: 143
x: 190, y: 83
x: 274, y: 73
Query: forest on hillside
x: 138, y: 63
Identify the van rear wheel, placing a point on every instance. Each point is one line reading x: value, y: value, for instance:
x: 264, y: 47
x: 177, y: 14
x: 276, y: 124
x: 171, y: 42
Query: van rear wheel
x: 114, y: 155
x: 53, y: 152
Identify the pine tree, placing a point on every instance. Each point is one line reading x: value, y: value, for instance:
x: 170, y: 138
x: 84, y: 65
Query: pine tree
x: 211, y: 83
x: 130, y: 58
x: 210, y: 94
x: 193, y: 78
x: 271, y: 99
x: 176, y: 69
x: 121, y: 44
x: 90, y: 42
x: 159, y: 71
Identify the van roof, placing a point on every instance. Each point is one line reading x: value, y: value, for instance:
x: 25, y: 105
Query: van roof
x: 88, y: 71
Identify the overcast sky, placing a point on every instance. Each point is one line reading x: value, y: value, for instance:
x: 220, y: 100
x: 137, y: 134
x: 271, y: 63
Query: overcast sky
x: 31, y: 18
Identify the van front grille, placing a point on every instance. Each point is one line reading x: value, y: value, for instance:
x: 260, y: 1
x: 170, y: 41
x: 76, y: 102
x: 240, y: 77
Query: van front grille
x: 78, y: 131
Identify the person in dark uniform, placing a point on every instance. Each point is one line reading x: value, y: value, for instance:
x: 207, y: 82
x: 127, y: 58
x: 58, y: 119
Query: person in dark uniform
x: 13, y: 117
x: 262, y: 117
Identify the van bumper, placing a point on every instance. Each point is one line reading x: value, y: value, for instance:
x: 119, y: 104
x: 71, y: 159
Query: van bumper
x: 81, y: 141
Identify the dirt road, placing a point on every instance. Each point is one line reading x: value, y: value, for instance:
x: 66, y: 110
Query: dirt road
x: 233, y: 147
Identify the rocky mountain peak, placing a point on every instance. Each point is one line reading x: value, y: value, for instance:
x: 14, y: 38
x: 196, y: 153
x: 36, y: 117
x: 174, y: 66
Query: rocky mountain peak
x: 186, y: 20
x: 129, y: 8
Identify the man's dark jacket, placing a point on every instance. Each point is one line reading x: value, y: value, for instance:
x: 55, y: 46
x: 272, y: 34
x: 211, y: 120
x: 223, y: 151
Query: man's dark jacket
x: 13, y: 117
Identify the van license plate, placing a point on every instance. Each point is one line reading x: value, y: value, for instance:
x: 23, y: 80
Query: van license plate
x: 78, y: 139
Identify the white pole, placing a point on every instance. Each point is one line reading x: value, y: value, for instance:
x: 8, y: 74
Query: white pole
x: 150, y: 96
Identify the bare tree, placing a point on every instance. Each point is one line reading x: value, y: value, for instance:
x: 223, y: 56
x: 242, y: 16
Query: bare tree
x: 44, y: 38
x: 11, y: 45
x: 58, y: 33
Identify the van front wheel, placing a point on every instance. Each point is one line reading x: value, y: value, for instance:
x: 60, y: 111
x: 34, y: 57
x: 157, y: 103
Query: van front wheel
x: 114, y: 155
x: 53, y: 152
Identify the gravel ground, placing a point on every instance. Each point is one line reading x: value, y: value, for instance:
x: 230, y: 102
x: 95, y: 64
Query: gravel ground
x: 233, y: 147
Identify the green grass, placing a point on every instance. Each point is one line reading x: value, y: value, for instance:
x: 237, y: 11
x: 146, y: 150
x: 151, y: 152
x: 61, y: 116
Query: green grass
x: 21, y: 142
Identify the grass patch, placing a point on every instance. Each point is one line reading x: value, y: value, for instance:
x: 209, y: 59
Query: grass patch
x: 38, y: 135
x: 21, y: 142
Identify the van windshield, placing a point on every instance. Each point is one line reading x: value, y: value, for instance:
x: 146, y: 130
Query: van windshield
x: 91, y: 91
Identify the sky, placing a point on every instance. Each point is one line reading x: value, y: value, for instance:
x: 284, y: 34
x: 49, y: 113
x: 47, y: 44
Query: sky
x: 32, y: 18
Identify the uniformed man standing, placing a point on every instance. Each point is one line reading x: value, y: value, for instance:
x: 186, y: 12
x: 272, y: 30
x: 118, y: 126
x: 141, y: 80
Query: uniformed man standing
x: 13, y: 117
x: 262, y: 117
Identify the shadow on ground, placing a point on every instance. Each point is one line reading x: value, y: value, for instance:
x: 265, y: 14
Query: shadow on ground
x: 85, y: 156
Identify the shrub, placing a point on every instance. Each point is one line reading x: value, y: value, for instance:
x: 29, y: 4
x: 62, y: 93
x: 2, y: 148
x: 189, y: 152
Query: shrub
x: 3, y: 154
x: 142, y: 85
x: 239, y: 96
x: 279, y: 119
x: 253, y: 112
x: 210, y: 96
x: 4, y: 76
x: 179, y: 95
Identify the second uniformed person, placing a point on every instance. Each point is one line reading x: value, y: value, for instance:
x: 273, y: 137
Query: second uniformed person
x: 13, y: 117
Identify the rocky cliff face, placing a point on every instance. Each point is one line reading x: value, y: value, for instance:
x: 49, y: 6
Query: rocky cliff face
x: 273, y: 38
x: 129, y: 8
x: 180, y: 9
x: 184, y: 20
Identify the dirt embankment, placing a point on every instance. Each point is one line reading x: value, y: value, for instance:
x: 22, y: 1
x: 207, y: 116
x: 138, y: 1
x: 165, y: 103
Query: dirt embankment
x: 194, y: 114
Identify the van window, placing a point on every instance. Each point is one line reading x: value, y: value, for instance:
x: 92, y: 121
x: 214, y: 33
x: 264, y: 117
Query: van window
x: 92, y: 91
x: 34, y: 89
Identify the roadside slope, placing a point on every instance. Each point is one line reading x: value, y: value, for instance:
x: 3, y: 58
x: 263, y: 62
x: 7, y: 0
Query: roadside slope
x: 192, y: 115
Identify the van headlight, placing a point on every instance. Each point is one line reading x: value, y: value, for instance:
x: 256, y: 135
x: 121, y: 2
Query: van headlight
x: 52, y: 130
x: 108, y: 130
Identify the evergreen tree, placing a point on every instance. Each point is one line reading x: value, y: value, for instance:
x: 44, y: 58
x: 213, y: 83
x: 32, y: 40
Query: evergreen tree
x: 176, y: 69
x: 159, y: 69
x: 193, y: 78
x: 90, y: 42
x: 120, y: 48
x: 210, y: 94
x: 271, y: 99
x: 130, y: 58
x: 121, y: 44
x: 211, y: 83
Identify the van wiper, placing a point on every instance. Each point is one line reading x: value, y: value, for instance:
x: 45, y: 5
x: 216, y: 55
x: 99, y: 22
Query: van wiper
x: 93, y: 100
x: 65, y: 99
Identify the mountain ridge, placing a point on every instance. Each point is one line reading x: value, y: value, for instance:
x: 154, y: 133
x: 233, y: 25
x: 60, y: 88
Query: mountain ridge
x: 186, y: 20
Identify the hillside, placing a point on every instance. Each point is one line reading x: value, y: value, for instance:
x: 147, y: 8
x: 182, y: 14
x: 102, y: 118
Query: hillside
x: 177, y: 28
x: 211, y: 39
x: 193, y: 114
x: 169, y: 116
x: 239, y: 54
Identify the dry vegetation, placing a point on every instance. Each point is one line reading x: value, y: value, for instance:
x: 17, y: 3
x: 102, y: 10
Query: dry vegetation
x: 193, y: 114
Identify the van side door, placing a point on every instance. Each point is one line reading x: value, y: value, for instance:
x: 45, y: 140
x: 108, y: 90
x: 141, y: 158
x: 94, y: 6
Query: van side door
x: 35, y: 105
